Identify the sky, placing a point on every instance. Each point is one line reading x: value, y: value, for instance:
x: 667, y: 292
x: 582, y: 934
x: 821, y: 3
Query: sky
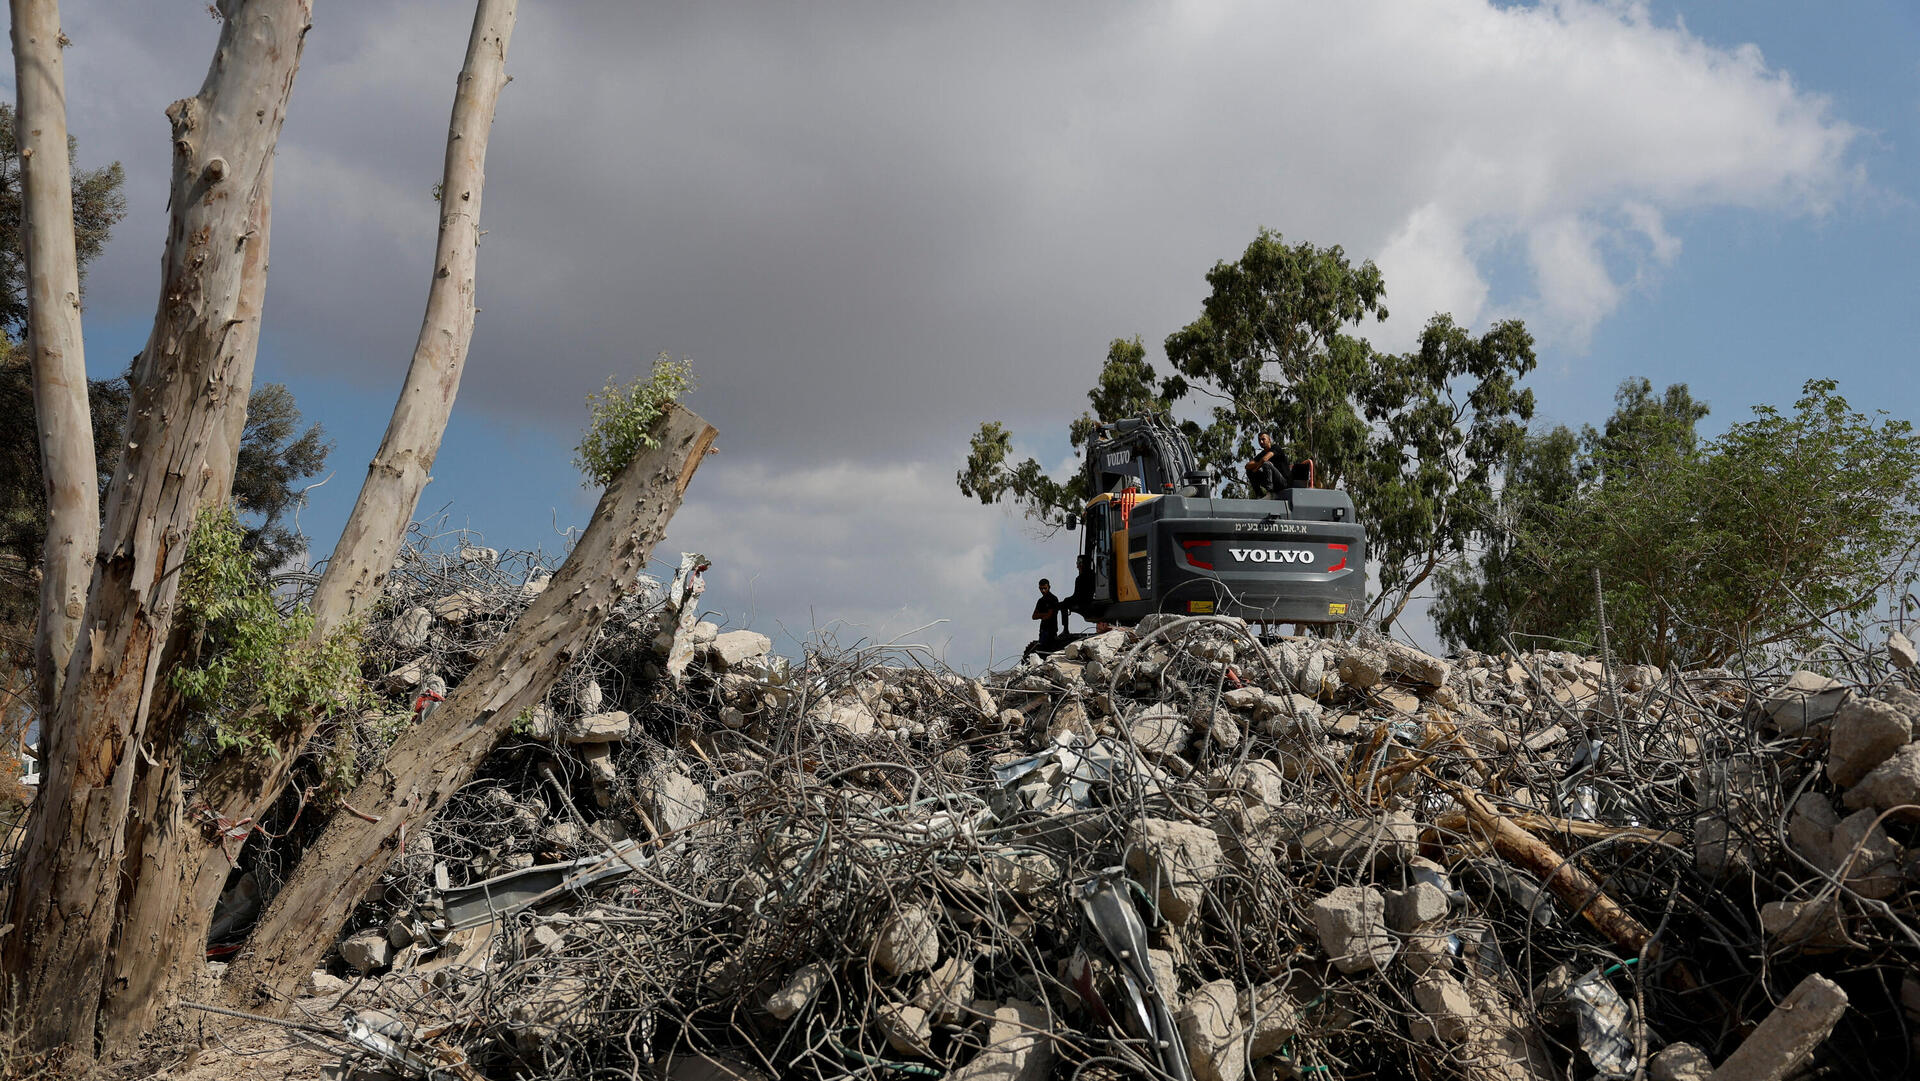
x: 872, y: 226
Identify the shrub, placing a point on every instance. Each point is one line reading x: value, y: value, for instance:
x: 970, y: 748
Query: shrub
x: 620, y: 419
x: 254, y: 669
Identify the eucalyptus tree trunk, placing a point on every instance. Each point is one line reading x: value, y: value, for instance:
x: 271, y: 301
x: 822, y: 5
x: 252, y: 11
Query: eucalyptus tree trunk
x: 194, y: 372
x: 181, y: 858
x: 54, y: 345
x: 434, y: 758
x: 371, y: 539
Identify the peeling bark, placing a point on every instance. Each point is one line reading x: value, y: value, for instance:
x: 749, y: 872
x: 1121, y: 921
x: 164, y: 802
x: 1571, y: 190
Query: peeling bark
x: 192, y: 376
x: 54, y: 345
x: 433, y: 759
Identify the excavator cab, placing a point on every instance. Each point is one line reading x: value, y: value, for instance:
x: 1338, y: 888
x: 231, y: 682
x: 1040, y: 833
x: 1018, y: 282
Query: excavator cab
x: 1159, y: 540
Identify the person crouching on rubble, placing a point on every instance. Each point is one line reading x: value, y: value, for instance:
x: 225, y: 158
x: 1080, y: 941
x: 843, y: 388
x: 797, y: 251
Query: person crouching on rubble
x: 1047, y: 611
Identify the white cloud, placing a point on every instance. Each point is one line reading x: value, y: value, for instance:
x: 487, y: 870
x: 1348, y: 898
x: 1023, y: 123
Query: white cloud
x: 869, y: 554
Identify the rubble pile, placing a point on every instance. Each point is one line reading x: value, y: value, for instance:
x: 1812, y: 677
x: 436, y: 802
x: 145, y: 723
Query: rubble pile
x: 1171, y: 850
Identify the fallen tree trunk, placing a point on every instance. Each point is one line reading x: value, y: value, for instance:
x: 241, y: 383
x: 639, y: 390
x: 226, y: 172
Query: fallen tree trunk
x: 436, y: 757
x: 66, y: 896
x: 54, y: 345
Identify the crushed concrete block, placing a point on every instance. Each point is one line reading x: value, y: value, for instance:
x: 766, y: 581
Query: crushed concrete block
x: 1418, y: 906
x: 1866, y: 732
x: 703, y: 633
x: 1890, y: 784
x: 458, y: 607
x: 1416, y: 666
x: 1273, y: 1018
x: 367, y: 951
x: 1870, y: 859
x: 947, y: 992
x: 1394, y: 835
x: 1021, y: 873
x: 1445, y: 1004
x: 1679, y: 1062
x: 1362, y: 669
x: 673, y: 800
x: 597, y: 728
x: 1400, y: 701
x: 540, y: 722
x: 1019, y: 1047
x: 1810, y: 829
x: 1174, y: 861
x: 1160, y: 730
x: 1901, y: 652
x: 410, y: 628
x: 982, y: 699
x: 734, y: 648
x: 1424, y: 951
x: 1351, y: 923
x: 907, y: 1029
x: 908, y: 941
x: 1807, y: 925
x: 1070, y: 719
x: 588, y: 697
x: 1718, y: 850
x: 799, y: 990
x: 326, y: 985
x: 1244, y: 699
x: 1807, y: 700
x: 1214, y: 1033
x: 1797, y: 1026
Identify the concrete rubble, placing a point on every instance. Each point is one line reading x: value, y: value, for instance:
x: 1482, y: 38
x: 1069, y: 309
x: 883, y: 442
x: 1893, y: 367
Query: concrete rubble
x: 1340, y: 858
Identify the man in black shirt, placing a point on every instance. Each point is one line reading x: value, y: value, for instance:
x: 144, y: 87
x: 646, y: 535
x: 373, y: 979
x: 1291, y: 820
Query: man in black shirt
x: 1047, y: 611
x: 1266, y: 471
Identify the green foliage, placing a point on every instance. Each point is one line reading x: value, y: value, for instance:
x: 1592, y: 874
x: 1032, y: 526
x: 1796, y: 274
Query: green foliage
x: 255, y: 672
x: 273, y: 460
x: 1782, y: 529
x: 620, y: 419
x: 1417, y: 439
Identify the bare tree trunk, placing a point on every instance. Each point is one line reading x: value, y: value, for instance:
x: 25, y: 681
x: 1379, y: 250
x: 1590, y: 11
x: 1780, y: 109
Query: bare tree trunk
x: 54, y: 344
x: 180, y: 864
x: 435, y: 758
x: 371, y: 539
x: 66, y: 894
x: 170, y: 878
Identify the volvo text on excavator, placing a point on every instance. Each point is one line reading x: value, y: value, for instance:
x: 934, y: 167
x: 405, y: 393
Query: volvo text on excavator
x: 1160, y: 540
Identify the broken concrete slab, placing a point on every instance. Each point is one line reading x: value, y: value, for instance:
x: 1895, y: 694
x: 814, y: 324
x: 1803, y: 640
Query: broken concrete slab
x: 908, y: 941
x: 1019, y: 1047
x: 1174, y: 861
x: 734, y: 648
x: 1214, y: 1033
x: 1891, y: 784
x: 1807, y: 700
x: 1866, y: 732
x: 1797, y: 1026
x: 799, y: 990
x: 1351, y: 923
x: 597, y: 728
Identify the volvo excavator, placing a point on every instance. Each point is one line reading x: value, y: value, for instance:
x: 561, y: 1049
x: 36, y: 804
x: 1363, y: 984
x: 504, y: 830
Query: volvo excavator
x: 1158, y: 539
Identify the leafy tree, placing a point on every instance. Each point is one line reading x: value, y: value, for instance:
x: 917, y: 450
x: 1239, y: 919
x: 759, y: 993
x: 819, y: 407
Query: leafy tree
x: 273, y: 460
x: 1782, y: 529
x: 274, y: 457
x: 98, y: 205
x: 1416, y: 438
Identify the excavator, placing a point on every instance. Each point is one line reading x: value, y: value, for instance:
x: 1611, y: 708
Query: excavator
x: 1158, y: 539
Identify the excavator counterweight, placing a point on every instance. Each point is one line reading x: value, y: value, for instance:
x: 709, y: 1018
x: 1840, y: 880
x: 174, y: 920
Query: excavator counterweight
x: 1159, y: 540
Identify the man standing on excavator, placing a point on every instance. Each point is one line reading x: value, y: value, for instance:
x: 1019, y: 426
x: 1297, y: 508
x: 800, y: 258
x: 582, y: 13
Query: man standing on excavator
x: 1047, y: 611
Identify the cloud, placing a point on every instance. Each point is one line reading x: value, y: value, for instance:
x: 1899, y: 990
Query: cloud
x: 864, y: 554
x: 872, y: 226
